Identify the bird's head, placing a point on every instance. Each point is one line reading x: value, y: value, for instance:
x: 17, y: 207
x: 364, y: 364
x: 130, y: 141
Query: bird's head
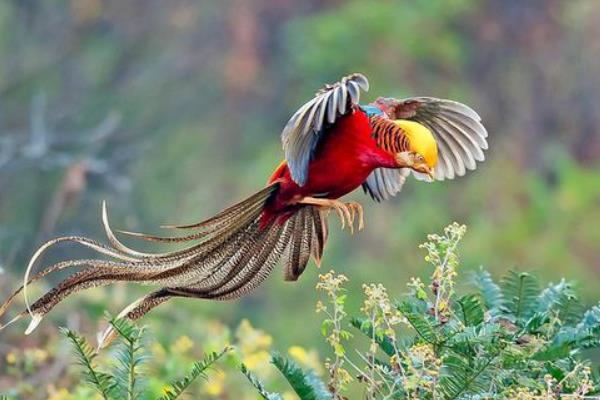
x: 422, y: 152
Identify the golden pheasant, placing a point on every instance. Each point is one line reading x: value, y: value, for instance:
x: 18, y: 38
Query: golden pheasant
x: 332, y: 146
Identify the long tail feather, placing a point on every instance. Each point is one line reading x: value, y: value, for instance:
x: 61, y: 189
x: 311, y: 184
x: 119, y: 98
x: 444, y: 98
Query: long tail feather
x: 97, y: 246
x: 134, y: 311
x: 320, y: 235
x: 230, y: 254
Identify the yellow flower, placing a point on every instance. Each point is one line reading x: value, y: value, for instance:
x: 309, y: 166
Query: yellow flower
x: 320, y: 307
x: 11, y: 358
x: 257, y: 359
x: 40, y: 355
x: 214, y: 386
x: 251, y: 339
x: 307, y: 358
x: 182, y: 345
x: 60, y: 394
x: 158, y: 350
x: 298, y: 353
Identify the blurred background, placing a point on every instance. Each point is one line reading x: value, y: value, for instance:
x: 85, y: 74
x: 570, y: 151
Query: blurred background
x: 172, y: 110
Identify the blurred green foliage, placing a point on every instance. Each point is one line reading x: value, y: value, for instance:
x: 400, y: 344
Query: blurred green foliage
x: 172, y: 110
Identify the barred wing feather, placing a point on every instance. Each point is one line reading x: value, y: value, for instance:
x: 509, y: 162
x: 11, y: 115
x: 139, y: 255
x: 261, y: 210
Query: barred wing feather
x: 304, y: 129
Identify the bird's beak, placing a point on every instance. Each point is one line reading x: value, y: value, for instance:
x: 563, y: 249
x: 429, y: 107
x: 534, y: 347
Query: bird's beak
x: 429, y: 172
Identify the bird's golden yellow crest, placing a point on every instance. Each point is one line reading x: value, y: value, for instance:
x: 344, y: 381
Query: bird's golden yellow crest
x: 421, y: 140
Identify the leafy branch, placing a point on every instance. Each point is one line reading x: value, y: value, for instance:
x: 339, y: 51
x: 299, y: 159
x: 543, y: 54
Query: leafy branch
x: 123, y: 381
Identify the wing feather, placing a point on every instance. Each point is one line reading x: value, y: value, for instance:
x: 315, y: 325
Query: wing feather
x: 384, y: 183
x: 457, y: 128
x: 459, y: 133
x: 302, y: 132
x: 342, y: 101
x: 332, y: 106
x: 354, y: 91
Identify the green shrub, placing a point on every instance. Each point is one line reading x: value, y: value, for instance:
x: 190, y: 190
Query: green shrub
x: 500, y: 340
x: 123, y: 381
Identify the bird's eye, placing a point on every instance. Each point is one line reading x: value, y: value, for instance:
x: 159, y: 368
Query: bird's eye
x: 420, y: 158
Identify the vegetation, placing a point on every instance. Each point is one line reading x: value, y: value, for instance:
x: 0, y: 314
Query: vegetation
x: 124, y: 380
x: 500, y: 340
x: 506, y: 339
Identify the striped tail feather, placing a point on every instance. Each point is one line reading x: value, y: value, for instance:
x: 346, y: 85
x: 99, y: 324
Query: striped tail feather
x: 259, y: 256
x: 227, y: 256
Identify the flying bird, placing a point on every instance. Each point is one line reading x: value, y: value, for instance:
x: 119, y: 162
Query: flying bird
x: 333, y: 145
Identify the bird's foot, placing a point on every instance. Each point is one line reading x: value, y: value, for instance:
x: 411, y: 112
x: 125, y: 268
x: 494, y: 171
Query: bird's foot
x: 347, y: 212
x: 357, y: 210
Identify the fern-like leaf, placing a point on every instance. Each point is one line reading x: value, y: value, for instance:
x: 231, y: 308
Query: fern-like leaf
x: 307, y: 385
x: 520, y: 292
x: 470, y: 310
x: 130, y: 356
x: 421, y: 323
x: 103, y: 383
x: 553, y: 352
x: 570, y: 339
x: 258, y: 385
x: 587, y: 331
x: 460, y: 378
x: 562, y: 300
x: 198, y: 371
x: 489, y: 290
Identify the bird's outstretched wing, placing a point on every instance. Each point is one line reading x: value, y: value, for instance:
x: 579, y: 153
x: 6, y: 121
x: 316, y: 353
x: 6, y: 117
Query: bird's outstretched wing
x: 304, y: 129
x: 457, y: 128
x: 459, y: 134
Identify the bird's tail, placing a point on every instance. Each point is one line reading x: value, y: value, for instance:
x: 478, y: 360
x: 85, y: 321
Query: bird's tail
x: 227, y: 256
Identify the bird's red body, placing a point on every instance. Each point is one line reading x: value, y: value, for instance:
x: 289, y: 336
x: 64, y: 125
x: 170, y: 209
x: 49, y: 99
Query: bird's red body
x: 344, y: 158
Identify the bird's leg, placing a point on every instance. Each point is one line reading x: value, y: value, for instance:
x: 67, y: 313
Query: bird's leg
x: 339, y: 207
x: 345, y: 211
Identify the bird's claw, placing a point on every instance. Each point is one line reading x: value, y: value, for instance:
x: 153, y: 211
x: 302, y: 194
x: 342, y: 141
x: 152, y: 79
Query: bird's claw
x: 347, y: 213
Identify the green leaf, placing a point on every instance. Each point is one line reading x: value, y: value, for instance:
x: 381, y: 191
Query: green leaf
x: 586, y: 334
x: 489, y: 290
x: 536, y: 322
x: 258, y: 385
x: 520, y: 292
x: 560, y: 298
x: 421, y: 323
x: 103, y: 383
x: 421, y: 294
x: 384, y: 342
x: 590, y: 323
x: 553, y: 353
x: 130, y: 355
x: 325, y: 325
x: 556, y: 373
x: 484, y: 336
x: 339, y: 350
x: 470, y: 310
x: 198, y: 371
x: 459, y: 377
x: 307, y: 385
